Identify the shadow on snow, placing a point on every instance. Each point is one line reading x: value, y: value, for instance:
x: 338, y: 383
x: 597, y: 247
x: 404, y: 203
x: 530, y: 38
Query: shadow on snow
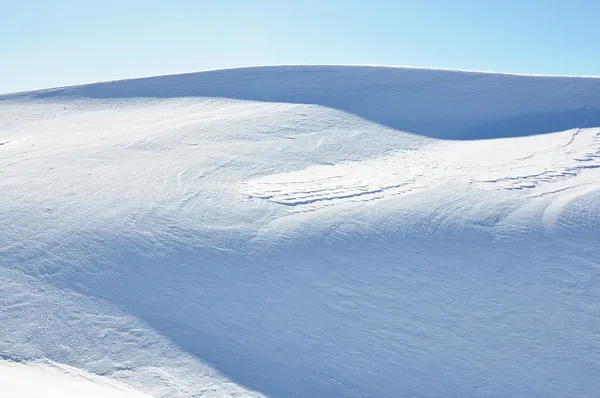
x: 433, y: 103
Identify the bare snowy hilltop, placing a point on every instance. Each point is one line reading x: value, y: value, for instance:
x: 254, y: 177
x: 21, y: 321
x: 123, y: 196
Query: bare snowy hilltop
x: 302, y: 231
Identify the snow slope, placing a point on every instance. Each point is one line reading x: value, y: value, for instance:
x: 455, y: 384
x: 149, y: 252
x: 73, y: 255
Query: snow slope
x: 307, y: 231
x: 50, y: 380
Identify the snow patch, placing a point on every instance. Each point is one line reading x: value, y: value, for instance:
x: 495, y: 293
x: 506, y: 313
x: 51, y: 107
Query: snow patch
x: 533, y: 163
x: 51, y: 380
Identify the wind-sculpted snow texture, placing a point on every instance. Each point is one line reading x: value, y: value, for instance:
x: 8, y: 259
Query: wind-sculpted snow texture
x: 307, y: 232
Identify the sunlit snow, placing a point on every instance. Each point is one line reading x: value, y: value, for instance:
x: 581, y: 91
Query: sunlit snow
x: 306, y: 232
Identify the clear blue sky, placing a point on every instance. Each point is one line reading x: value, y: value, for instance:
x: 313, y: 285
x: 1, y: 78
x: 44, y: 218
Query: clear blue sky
x: 48, y: 43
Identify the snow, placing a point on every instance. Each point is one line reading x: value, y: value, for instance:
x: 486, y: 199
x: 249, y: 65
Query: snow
x: 51, y: 380
x: 306, y: 231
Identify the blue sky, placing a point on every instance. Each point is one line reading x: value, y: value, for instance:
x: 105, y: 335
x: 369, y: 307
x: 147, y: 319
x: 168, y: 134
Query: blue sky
x: 60, y: 42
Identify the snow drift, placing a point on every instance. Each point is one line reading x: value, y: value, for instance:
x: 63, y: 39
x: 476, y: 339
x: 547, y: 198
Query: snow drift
x: 307, y: 231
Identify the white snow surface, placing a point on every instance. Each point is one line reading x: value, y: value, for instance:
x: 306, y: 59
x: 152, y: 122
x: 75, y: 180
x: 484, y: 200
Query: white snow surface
x: 306, y: 231
x: 50, y: 380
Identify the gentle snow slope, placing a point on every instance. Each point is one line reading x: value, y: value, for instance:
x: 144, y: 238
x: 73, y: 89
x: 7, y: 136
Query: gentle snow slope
x: 50, y: 380
x: 307, y: 232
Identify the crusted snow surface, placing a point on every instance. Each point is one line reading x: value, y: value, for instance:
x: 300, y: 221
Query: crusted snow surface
x: 306, y: 232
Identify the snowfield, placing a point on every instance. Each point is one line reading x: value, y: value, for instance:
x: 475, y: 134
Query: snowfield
x: 304, y: 231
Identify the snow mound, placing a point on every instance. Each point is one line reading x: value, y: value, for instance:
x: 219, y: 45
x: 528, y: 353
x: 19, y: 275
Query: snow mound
x: 306, y: 231
x: 429, y: 102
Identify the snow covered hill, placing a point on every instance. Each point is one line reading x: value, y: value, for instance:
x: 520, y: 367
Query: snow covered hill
x: 309, y: 231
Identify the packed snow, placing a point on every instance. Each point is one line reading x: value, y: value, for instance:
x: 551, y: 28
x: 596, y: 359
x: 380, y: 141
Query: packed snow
x: 304, y: 231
